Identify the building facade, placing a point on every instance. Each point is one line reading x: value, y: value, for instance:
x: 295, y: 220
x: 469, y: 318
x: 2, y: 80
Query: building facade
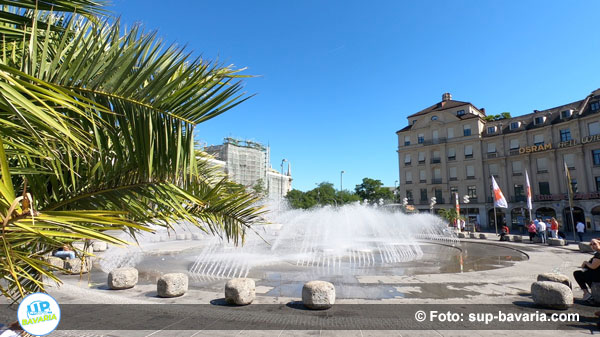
x: 451, y: 147
x: 248, y: 163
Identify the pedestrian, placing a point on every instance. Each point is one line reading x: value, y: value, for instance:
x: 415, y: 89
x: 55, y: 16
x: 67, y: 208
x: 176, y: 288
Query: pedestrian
x: 505, y: 232
x: 532, y: 231
x: 554, y: 228
x: 590, y: 271
x: 580, y: 229
x: 542, y: 230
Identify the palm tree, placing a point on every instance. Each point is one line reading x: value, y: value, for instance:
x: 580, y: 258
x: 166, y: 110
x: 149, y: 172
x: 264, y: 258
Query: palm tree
x: 97, y: 134
x: 451, y: 215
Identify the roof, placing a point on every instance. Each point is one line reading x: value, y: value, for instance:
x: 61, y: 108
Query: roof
x: 443, y: 105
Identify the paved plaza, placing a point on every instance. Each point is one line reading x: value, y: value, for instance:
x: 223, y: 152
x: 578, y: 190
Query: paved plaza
x: 505, y: 287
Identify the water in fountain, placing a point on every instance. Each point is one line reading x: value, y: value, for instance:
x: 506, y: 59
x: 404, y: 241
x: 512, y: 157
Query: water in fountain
x: 332, y: 240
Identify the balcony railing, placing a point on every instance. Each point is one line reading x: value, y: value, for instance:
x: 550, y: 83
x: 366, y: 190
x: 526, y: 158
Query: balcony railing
x: 434, y: 141
x: 422, y: 162
x: 436, y: 181
x: 492, y: 155
x: 436, y: 160
x: 518, y: 198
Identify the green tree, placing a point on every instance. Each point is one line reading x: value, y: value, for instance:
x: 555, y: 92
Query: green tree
x: 96, y: 134
x: 450, y: 215
x: 373, y: 191
x: 260, y: 189
x: 299, y: 199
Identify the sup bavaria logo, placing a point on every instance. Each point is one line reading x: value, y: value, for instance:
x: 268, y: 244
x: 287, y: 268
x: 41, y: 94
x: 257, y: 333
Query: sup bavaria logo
x: 39, y: 314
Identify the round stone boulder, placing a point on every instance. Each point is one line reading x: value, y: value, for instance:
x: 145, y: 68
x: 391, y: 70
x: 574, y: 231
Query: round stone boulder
x: 596, y: 291
x: 122, y: 278
x: 318, y: 295
x: 555, y: 277
x: 556, y: 242
x: 77, y: 266
x: 473, y: 236
x: 585, y: 247
x: 516, y: 238
x: 172, y: 285
x: 461, y: 235
x: 240, y: 291
x: 99, y: 246
x: 483, y: 236
x: 552, y: 295
x: 56, y: 262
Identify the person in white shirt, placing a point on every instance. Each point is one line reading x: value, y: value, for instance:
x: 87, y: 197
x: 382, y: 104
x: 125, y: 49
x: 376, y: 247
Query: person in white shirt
x: 580, y: 229
x: 542, y: 230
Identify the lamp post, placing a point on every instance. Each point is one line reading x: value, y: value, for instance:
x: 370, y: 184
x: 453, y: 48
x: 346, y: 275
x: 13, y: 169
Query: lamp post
x: 466, y: 200
x: 342, y: 180
x: 433, y: 202
x: 281, y: 182
x: 395, y: 191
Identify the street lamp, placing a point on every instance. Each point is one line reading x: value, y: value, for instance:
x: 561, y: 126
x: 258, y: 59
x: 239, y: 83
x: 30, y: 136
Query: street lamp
x: 466, y: 200
x: 395, y: 191
x: 341, y: 180
x: 433, y: 202
x: 281, y: 182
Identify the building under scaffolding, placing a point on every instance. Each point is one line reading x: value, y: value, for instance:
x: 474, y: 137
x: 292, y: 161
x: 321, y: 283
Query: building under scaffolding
x: 248, y: 163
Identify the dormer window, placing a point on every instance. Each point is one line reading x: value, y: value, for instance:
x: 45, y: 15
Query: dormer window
x: 460, y: 112
x: 539, y: 120
x: 515, y: 125
x: 566, y: 114
x: 491, y: 129
x: 414, y: 121
x: 595, y: 106
x: 434, y: 118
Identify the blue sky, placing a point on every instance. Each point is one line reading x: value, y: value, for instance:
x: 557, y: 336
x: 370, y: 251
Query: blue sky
x: 338, y: 78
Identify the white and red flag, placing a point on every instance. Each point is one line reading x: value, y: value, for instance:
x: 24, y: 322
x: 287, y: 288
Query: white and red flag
x: 499, y: 200
x: 528, y: 191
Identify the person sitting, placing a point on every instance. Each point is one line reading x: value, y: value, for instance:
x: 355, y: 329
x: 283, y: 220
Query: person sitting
x: 505, y: 231
x: 590, y: 271
x: 65, y: 252
x: 532, y: 231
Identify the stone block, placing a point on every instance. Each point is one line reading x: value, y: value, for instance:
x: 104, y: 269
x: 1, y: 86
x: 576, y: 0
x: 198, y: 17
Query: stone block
x: 180, y: 236
x: 596, y: 291
x: 99, y: 246
x: 318, y: 295
x: 556, y: 242
x: 172, y: 285
x: 56, y: 261
x: 122, y: 278
x: 240, y: 291
x: 461, y: 235
x: 77, y: 266
x: 516, y: 238
x: 552, y: 295
x: 473, y: 235
x: 537, y: 239
x: 585, y: 247
x: 483, y: 236
x: 555, y: 277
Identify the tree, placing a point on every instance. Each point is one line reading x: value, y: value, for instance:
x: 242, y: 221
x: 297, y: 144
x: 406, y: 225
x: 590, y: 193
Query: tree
x: 259, y: 189
x: 372, y: 190
x: 96, y: 134
x: 450, y: 215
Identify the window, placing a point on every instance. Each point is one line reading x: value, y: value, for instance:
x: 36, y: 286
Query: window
x: 539, y: 120
x: 470, y: 172
x: 565, y: 135
x: 435, y: 134
x: 542, y: 165
x: 595, y: 106
x: 544, y: 187
x: 409, y: 195
x: 472, y: 191
x: 407, y: 159
x: 566, y: 114
x: 519, y: 191
x: 491, y: 129
x: 460, y: 112
x: 423, y: 194
x: 596, y: 156
x: 436, y: 157
x: 597, y: 184
x: 515, y: 125
x: 437, y: 174
x: 468, y: 151
x: 516, y: 168
x: 414, y: 121
x: 451, y: 153
x: 408, y: 177
x: 491, y: 148
x: 434, y: 118
x: 422, y: 176
x: 453, y: 173
x: 594, y: 128
x: 569, y: 158
x: 466, y: 130
x: 420, y: 138
x: 450, y: 133
x: 421, y: 157
x: 538, y: 139
x: 406, y: 140
x: 493, y: 169
x: 514, y: 144
x: 574, y: 185
x: 438, y: 195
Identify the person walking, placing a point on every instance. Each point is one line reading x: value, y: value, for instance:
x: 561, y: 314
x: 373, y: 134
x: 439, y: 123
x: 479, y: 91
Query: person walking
x: 554, y: 228
x: 590, y: 271
x: 580, y: 229
x: 532, y: 231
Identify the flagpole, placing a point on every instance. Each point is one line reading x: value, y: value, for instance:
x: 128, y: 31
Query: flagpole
x: 569, y: 195
x: 495, y: 216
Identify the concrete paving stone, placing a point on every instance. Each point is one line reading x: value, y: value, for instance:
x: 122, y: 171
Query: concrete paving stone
x: 381, y: 333
x: 341, y: 333
x: 300, y: 333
